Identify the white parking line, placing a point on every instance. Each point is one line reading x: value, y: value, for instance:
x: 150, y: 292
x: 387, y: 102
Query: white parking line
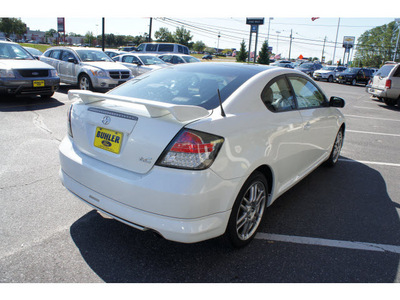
x: 328, y: 243
x: 368, y: 108
x: 370, y: 132
x: 372, y: 118
x: 369, y: 162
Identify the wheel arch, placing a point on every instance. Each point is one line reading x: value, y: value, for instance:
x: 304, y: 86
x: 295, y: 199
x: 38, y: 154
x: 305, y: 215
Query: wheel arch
x: 268, y: 173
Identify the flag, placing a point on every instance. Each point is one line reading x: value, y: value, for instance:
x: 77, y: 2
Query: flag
x: 314, y: 18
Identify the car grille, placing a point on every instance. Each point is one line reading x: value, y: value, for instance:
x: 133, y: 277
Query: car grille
x: 34, y: 73
x: 119, y: 74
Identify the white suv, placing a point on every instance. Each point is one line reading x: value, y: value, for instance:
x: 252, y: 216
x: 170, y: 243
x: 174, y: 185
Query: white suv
x: 328, y: 73
x: 385, y: 84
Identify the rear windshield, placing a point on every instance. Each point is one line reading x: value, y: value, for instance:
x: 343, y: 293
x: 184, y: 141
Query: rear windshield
x: 188, y: 84
x: 385, y: 70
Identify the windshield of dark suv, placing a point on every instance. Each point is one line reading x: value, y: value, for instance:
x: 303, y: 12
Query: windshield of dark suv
x: 13, y: 51
x: 93, y: 55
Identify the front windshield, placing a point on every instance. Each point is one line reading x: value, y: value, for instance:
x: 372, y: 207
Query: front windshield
x: 13, y: 51
x: 187, y: 84
x: 151, y: 60
x: 93, y: 55
x: 351, y: 70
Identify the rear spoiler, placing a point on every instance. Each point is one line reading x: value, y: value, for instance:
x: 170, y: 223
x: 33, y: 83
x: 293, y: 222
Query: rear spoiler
x: 182, y: 113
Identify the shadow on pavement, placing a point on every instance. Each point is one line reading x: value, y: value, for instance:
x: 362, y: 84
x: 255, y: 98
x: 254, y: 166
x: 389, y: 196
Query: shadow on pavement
x: 349, y: 202
x: 27, y: 103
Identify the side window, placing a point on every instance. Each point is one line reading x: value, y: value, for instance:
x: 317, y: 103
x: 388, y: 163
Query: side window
x: 151, y: 47
x: 307, y: 94
x: 130, y: 59
x: 66, y: 55
x: 186, y: 50
x: 177, y: 60
x: 397, y: 72
x: 277, y: 96
x: 165, y: 48
x: 47, y: 53
x: 180, y: 49
x: 55, y: 54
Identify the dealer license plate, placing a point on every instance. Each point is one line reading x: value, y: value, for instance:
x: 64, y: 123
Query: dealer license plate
x: 38, y: 83
x: 108, y: 140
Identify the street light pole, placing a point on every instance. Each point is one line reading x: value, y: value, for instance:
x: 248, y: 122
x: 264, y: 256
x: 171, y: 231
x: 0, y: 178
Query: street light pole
x: 277, y: 42
x: 269, y: 22
x: 334, y: 51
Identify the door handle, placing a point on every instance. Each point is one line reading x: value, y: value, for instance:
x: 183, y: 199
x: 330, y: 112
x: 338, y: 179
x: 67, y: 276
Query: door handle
x: 307, y: 126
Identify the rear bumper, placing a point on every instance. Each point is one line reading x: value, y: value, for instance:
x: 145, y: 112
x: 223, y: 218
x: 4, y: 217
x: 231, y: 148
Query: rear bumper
x: 377, y: 92
x: 180, y: 205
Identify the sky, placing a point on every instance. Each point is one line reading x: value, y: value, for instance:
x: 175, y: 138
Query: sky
x: 206, y: 19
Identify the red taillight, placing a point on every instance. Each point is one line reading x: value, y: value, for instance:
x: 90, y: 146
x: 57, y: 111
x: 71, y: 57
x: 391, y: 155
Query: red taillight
x: 191, y: 143
x: 388, y: 84
x: 193, y: 150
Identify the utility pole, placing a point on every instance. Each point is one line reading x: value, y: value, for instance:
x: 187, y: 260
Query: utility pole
x: 334, y: 51
x: 290, y: 46
x: 323, y: 49
x: 103, y: 39
x: 151, y: 22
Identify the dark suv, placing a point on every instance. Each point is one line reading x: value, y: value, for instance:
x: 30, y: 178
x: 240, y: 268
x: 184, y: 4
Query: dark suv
x: 355, y: 75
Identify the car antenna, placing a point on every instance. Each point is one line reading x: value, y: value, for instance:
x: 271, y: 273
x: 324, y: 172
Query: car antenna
x: 220, y: 104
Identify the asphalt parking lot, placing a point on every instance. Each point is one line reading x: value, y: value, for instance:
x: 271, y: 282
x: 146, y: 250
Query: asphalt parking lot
x: 338, y: 225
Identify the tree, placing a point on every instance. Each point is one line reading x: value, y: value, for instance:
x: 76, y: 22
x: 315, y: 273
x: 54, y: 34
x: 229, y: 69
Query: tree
x: 182, y: 36
x: 89, y: 38
x: 12, y: 25
x: 163, y: 35
x: 199, y: 46
x: 243, y: 52
x: 264, y: 54
x: 376, y: 46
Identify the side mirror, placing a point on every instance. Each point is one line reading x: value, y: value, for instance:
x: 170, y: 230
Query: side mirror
x: 72, y: 60
x: 336, y: 102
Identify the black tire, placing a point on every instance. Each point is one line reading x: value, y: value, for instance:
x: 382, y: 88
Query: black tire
x: 390, y: 102
x: 85, y: 83
x: 248, y: 210
x: 47, y: 96
x: 337, y: 146
x: 330, y: 78
x: 398, y: 102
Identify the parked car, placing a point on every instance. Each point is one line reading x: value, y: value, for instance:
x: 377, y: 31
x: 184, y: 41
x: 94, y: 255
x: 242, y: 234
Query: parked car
x: 178, y: 58
x: 195, y: 151
x: 162, y: 48
x: 140, y: 63
x: 283, y: 64
x: 127, y: 48
x: 112, y: 52
x: 308, y: 68
x: 90, y: 68
x: 207, y: 57
x: 36, y: 53
x: 328, y: 73
x: 355, y: 76
x: 22, y: 74
x: 385, y: 84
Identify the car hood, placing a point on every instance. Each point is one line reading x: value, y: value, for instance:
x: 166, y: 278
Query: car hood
x: 23, y: 64
x: 105, y: 65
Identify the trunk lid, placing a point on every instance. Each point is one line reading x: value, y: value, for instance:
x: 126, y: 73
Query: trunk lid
x: 125, y: 132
